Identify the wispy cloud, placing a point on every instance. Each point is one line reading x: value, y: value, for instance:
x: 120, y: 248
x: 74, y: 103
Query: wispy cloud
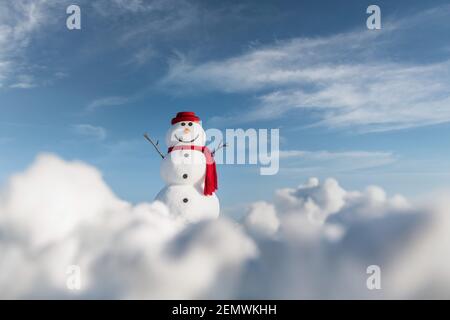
x: 90, y: 131
x: 331, y: 155
x: 133, y: 5
x: 152, y: 19
x: 107, y: 102
x: 344, y: 79
x: 330, y: 161
x: 20, y: 21
x: 24, y: 82
x: 142, y: 56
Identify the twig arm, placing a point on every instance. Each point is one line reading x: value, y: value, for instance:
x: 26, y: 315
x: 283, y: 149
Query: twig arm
x: 155, y: 145
x: 220, y: 146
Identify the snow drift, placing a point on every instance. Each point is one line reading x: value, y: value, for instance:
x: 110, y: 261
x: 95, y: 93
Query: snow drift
x: 313, y: 241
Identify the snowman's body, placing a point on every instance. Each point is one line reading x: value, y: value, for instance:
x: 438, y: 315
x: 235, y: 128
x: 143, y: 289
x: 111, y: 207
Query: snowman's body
x: 197, y: 207
x: 183, y: 171
x: 183, y: 167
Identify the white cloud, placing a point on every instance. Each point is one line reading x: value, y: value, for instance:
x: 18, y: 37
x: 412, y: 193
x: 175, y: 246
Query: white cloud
x: 125, y: 6
x: 314, y: 241
x: 19, y: 21
x: 333, y: 161
x: 262, y: 218
x: 328, y: 236
x: 87, y: 130
x: 142, y: 56
x: 24, y: 82
x: 60, y: 213
x: 133, y: 5
x: 347, y: 80
x: 107, y: 102
x: 151, y: 19
x: 313, y: 200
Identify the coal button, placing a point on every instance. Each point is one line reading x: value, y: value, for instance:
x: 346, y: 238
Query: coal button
x: 185, y: 200
x: 185, y: 176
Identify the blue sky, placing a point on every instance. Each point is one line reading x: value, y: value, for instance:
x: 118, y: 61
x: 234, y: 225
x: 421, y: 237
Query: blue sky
x: 366, y: 107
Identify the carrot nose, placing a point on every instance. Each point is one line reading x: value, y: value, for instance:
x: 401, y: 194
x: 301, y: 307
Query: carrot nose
x: 186, y: 130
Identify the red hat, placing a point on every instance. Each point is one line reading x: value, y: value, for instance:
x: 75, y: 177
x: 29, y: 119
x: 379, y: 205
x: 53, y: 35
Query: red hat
x: 185, y: 116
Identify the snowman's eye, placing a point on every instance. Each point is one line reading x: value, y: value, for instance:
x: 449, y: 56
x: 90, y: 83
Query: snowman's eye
x: 183, y: 124
x: 190, y: 124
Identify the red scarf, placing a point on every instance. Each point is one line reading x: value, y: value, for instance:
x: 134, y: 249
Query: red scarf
x: 211, y: 172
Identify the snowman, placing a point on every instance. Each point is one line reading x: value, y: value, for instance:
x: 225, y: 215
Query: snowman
x: 189, y: 171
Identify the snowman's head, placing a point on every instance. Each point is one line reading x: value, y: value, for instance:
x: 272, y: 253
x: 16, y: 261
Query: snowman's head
x: 186, y: 130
